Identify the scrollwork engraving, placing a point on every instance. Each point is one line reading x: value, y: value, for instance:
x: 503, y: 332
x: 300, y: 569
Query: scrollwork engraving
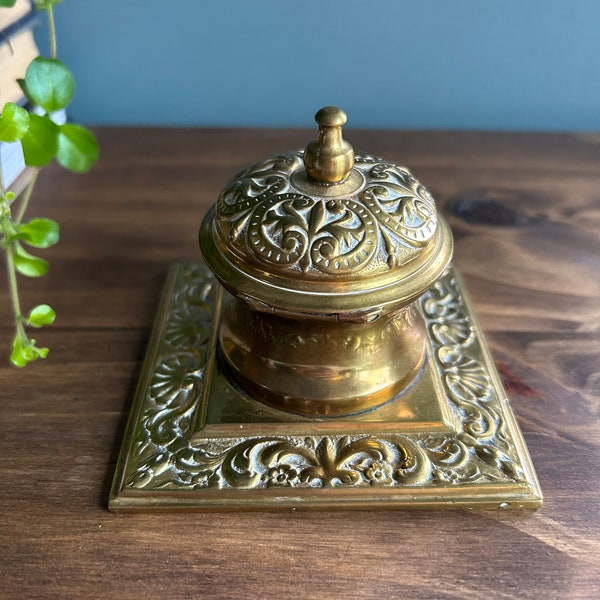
x: 483, y: 445
x: 381, y: 226
x: 166, y: 456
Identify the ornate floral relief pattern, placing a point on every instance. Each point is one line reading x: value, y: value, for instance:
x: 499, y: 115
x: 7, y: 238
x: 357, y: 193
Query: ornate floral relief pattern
x: 482, y: 449
x: 166, y: 457
x: 381, y: 226
x: 315, y: 462
x: 334, y: 236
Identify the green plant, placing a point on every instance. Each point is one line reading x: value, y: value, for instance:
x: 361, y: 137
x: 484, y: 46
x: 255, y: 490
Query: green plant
x: 49, y: 85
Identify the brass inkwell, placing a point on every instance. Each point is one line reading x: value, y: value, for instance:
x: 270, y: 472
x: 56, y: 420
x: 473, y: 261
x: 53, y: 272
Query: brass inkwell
x: 324, y: 355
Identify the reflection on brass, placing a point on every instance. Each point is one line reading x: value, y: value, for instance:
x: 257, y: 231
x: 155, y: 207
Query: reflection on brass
x: 333, y: 368
x: 195, y: 440
x: 329, y: 357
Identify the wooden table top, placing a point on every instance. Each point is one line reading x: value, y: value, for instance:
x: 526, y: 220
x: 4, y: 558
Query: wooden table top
x: 525, y: 213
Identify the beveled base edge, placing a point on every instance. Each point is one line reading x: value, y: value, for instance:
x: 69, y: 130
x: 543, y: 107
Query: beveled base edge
x: 166, y: 464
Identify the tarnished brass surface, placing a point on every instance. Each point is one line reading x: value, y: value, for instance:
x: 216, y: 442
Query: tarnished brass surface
x: 291, y: 242
x: 323, y: 368
x: 337, y: 364
x: 195, y: 440
x: 325, y: 251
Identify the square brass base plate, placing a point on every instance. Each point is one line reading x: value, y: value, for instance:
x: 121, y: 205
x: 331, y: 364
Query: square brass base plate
x: 196, y: 441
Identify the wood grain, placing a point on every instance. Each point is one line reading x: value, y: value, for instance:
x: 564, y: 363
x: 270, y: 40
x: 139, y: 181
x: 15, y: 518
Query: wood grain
x: 525, y: 212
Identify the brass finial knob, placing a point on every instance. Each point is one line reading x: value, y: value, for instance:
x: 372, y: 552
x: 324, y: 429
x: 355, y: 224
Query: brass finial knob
x: 329, y: 158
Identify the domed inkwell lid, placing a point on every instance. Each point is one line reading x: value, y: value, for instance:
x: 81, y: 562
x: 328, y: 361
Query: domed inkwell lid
x: 326, y: 231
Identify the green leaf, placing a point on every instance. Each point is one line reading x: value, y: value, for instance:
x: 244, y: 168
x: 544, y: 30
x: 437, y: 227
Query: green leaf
x: 14, y: 123
x: 25, y: 351
x: 39, y: 233
x: 40, y: 143
x: 7, y: 3
x: 49, y: 84
x: 41, y: 315
x: 27, y: 264
x: 21, y: 353
x: 77, y: 148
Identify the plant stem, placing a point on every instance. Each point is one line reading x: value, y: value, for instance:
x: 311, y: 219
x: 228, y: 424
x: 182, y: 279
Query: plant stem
x: 52, y: 30
x: 26, y: 197
x: 12, y: 286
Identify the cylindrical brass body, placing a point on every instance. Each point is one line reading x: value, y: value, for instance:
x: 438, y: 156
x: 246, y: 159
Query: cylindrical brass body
x: 322, y: 367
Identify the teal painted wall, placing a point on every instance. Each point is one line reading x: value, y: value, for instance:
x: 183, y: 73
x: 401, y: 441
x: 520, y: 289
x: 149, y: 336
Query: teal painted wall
x: 485, y: 64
